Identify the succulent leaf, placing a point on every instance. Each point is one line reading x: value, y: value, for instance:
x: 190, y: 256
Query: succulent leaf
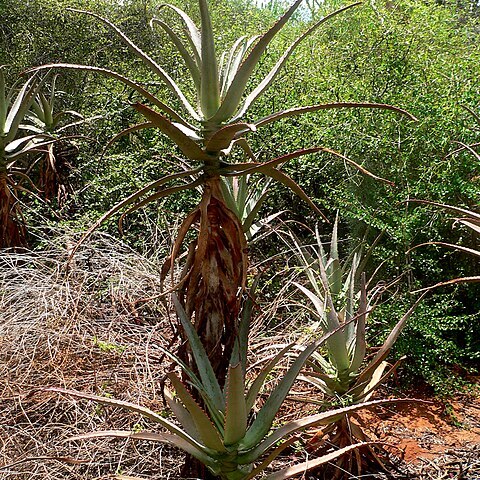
x: 236, y: 412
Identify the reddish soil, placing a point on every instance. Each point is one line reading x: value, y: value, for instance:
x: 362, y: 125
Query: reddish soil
x: 425, y: 431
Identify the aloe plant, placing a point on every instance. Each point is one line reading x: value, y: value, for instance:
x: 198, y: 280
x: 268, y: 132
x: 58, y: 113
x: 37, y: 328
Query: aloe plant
x: 54, y: 163
x: 342, y: 371
x: 17, y: 140
x: 215, y: 270
x: 225, y: 436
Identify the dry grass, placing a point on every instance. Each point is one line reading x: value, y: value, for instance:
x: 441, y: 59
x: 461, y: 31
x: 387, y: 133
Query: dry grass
x: 83, y: 329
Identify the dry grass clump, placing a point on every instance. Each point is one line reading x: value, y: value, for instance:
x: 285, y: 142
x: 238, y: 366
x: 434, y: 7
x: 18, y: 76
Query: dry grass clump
x: 96, y: 326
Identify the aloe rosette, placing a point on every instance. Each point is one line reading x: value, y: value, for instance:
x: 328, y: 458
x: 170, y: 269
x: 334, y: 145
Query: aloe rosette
x: 224, y: 435
x: 342, y: 371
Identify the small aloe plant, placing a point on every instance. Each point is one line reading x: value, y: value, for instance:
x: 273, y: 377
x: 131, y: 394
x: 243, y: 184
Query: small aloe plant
x: 17, y: 141
x: 206, y: 133
x: 338, y: 293
x: 225, y: 436
x: 54, y: 166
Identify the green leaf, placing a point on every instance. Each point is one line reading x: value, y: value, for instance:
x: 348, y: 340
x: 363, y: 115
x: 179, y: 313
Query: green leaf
x: 3, y: 102
x: 210, y: 89
x: 193, y: 34
x: 185, y: 143
x: 144, y: 412
x: 189, y: 60
x: 388, y: 344
x: 267, y: 81
x: 324, y: 418
x: 127, y: 201
x: 328, y: 106
x: 223, y: 137
x: 109, y: 73
x: 205, y: 370
x: 149, y: 62
x: 20, y: 107
x: 260, y: 378
x: 149, y: 436
x: 206, y: 429
x: 236, y: 413
x: 300, y: 468
x: 237, y: 87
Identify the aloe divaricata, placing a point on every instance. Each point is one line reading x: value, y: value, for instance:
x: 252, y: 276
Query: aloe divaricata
x: 216, y: 266
x: 338, y: 292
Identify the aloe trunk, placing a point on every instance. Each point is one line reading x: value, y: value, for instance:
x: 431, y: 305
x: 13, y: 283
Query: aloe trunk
x: 214, y: 275
x: 12, y: 232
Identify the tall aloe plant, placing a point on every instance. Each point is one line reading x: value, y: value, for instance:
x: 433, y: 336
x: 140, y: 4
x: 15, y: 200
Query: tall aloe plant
x: 206, y: 133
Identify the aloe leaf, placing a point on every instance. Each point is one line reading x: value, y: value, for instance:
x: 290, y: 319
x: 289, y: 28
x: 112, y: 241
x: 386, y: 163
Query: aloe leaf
x: 319, y: 304
x: 210, y: 89
x: 260, y: 378
x: 47, y: 111
x: 454, y: 281
x: 376, y: 380
x: 15, y: 144
x: 388, y: 344
x: 205, y: 370
x: 271, y: 457
x: 244, y: 326
x: 300, y: 468
x: 473, y: 224
x: 360, y: 342
x: 267, y: 81
x: 461, y: 211
x: 20, y: 107
x: 149, y: 62
x: 186, y: 144
x: 248, y: 222
x: 236, y: 413
x: 206, y: 429
x: 216, y: 414
x: 236, y: 62
x: 161, y: 194
x: 335, y: 277
x: 328, y: 106
x: 470, y: 149
x: 181, y: 413
x: 450, y: 245
x: 127, y: 131
x: 292, y: 185
x: 109, y: 73
x: 239, y: 82
x: 189, y: 60
x: 225, y: 70
x: 193, y: 34
x: 264, y: 419
x: 337, y: 345
x: 324, y: 418
x: 222, y: 138
x: 29, y: 148
x: 144, y: 412
x: 172, y: 439
x: 127, y: 201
